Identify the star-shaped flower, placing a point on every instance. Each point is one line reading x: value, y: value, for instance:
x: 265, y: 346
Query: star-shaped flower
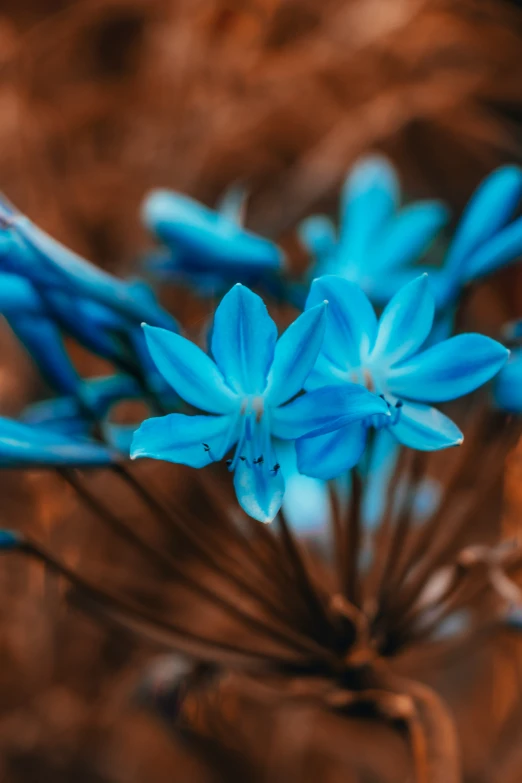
x: 247, y: 388
x: 377, y: 238
x: 379, y: 242
x: 384, y: 357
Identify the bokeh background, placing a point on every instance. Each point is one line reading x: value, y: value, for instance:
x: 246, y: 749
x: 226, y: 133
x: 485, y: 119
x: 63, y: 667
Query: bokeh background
x: 101, y: 100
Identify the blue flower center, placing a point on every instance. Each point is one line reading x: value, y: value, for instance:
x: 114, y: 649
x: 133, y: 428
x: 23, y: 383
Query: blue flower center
x: 254, y: 446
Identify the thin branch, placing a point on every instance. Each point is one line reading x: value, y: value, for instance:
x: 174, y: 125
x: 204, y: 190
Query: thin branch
x: 279, y: 633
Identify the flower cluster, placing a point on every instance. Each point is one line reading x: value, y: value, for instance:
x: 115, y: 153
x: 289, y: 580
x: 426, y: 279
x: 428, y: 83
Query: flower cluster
x: 365, y: 360
x: 322, y: 406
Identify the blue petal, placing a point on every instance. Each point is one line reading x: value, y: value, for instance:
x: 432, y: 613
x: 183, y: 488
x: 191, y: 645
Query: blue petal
x: 184, y: 439
x: 22, y: 445
x: 325, y: 410
x: 93, y: 325
x: 318, y: 236
x: 18, y: 295
x: 326, y: 374
x: 487, y: 212
x: 507, y: 389
x: 369, y: 199
x: 189, y: 371
x: 501, y: 249
x: 448, y: 370
x: 259, y: 489
x: 351, y: 324
x: 295, y: 355
x: 408, y: 235
x: 61, y: 414
x: 243, y: 340
x: 152, y: 377
x: 67, y: 269
x: 43, y: 341
x: 204, y: 239
x: 329, y: 455
x: 426, y: 429
x: 405, y: 323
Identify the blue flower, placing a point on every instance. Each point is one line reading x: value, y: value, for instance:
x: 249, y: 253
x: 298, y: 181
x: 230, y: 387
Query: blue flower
x: 22, y: 446
x: 29, y: 252
x: 379, y: 243
x: 384, y: 356
x: 204, y: 245
x: 247, y: 388
x: 46, y: 290
x: 377, y: 238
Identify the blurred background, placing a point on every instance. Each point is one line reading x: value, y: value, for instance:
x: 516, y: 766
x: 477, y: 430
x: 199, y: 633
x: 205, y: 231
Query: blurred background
x: 102, y: 100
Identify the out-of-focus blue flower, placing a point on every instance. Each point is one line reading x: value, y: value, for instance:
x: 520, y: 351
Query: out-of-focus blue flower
x: 507, y: 388
x: 39, y: 320
x: 22, y: 446
x: 384, y: 357
x: 247, y: 387
x: 46, y: 290
x: 378, y: 243
x: 207, y: 247
x: 29, y: 252
x: 377, y: 239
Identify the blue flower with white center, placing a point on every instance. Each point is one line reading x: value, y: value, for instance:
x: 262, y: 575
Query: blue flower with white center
x: 384, y: 357
x: 205, y: 246
x: 247, y: 388
x: 377, y: 239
